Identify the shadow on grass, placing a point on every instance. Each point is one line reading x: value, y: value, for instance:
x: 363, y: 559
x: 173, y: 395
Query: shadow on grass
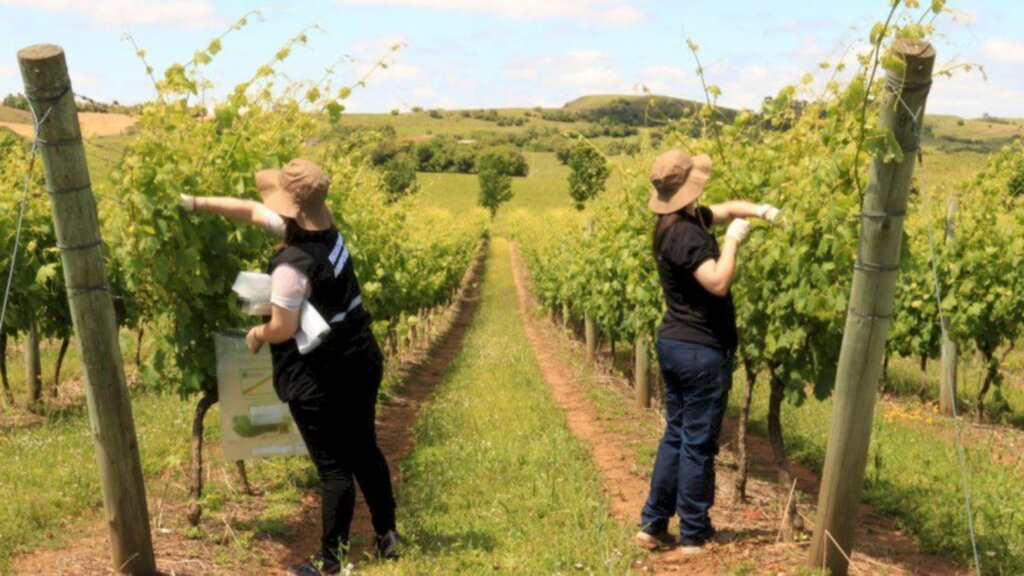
x: 431, y: 544
x: 17, y: 418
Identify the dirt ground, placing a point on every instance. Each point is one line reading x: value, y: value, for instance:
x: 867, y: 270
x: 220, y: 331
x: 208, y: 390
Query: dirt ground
x: 614, y: 436
x: 93, y: 124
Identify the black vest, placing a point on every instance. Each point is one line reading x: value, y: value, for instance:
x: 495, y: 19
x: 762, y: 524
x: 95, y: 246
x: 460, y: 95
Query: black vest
x: 325, y: 260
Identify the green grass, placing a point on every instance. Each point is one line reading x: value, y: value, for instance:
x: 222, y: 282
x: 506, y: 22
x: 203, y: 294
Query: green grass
x: 978, y: 134
x: 50, y: 482
x: 412, y: 124
x: 497, y: 482
x: 907, y: 379
x: 49, y: 475
x: 546, y: 188
x: 913, y: 476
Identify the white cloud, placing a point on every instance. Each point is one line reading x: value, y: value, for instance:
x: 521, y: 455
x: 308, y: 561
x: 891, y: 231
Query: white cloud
x: 6, y: 71
x: 188, y: 14
x: 748, y: 86
x: 522, y: 73
x: 969, y: 96
x: 85, y: 80
x: 366, y: 53
x: 1004, y: 50
x: 583, y: 71
x: 604, y: 12
x: 667, y: 80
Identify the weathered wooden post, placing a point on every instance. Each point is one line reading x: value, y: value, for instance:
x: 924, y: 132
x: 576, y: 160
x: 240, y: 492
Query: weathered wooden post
x: 870, y: 309
x: 590, y: 337
x: 33, y: 365
x: 48, y: 89
x: 950, y: 353
x: 642, y: 371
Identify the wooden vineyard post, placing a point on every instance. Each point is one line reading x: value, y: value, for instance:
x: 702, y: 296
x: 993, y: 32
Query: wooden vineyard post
x: 950, y: 354
x: 589, y: 330
x: 642, y: 370
x: 48, y: 89
x: 590, y: 336
x: 870, y: 309
x: 33, y: 366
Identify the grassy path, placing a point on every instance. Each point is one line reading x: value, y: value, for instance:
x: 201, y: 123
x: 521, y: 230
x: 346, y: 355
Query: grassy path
x: 497, y: 481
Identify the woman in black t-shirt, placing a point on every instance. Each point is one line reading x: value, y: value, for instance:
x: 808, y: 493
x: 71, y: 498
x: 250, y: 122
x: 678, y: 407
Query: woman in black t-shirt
x: 331, y: 388
x: 696, y: 341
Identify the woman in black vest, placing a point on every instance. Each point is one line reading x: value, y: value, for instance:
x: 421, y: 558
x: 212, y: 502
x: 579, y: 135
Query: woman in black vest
x: 331, y: 390
x: 696, y: 341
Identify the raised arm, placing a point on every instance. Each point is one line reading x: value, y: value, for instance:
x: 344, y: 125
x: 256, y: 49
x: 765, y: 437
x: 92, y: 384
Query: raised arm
x: 728, y: 211
x: 237, y: 209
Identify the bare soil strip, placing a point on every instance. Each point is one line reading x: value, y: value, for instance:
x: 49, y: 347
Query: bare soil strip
x: 94, y: 124
x: 615, y: 433
x: 421, y: 372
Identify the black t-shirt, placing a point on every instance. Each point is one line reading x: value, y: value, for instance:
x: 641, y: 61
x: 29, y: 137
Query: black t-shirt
x: 324, y: 259
x: 693, y: 314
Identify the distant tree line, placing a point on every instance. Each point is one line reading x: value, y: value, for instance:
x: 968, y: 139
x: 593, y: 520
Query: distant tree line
x: 18, y: 102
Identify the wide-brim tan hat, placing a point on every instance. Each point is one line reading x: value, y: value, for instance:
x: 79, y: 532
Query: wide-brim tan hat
x: 678, y: 180
x: 298, y: 191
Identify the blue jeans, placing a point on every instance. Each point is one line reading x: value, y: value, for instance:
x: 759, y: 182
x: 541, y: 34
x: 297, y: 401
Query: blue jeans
x: 697, y: 382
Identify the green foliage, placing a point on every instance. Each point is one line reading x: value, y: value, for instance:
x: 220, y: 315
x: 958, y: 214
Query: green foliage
x: 398, y: 175
x: 983, y: 292
x: 1016, y: 185
x: 180, y: 268
x: 441, y: 154
x: 791, y: 290
x: 37, y: 290
x: 589, y: 173
x: 495, y: 182
x: 506, y: 158
x: 634, y: 111
x: 16, y: 101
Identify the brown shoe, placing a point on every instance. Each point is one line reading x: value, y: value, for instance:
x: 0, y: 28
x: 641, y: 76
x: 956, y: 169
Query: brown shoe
x: 659, y: 541
x: 691, y: 551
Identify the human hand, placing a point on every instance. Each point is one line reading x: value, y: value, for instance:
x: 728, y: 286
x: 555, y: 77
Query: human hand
x: 253, y: 341
x: 769, y: 213
x: 187, y: 203
x: 738, y: 230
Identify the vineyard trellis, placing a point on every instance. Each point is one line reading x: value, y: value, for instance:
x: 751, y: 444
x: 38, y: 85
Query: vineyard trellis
x: 171, y: 274
x: 792, y: 289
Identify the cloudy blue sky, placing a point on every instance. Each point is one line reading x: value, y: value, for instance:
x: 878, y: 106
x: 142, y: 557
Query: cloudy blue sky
x: 495, y: 53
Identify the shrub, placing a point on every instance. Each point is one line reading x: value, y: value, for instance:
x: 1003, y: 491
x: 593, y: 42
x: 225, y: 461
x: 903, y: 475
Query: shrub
x: 495, y: 181
x: 399, y: 176
x: 589, y: 173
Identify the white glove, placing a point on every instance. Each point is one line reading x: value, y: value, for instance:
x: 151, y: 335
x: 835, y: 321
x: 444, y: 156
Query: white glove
x: 187, y: 202
x: 738, y: 230
x: 768, y: 212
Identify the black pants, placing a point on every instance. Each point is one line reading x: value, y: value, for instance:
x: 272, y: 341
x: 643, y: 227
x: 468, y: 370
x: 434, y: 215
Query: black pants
x: 338, y: 428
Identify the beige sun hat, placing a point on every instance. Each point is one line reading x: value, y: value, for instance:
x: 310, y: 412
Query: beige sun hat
x: 678, y: 180
x: 297, y: 191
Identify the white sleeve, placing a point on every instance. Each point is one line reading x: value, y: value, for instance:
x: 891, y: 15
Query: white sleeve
x: 272, y: 221
x: 288, y: 287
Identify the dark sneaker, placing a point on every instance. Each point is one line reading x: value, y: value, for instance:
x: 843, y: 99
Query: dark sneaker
x: 322, y: 564
x: 389, y: 546
x: 660, y: 541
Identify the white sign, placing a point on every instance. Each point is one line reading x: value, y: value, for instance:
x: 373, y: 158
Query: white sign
x: 253, y: 422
